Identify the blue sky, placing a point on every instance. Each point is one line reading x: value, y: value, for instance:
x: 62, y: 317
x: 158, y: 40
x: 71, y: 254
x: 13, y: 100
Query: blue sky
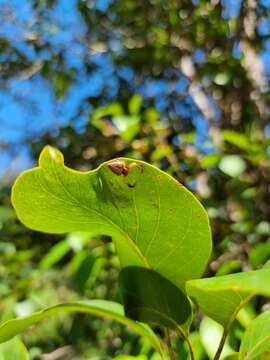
x: 28, y: 107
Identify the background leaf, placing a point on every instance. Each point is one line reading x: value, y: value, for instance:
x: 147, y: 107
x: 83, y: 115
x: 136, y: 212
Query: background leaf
x: 134, y: 104
x: 13, y: 349
x: 233, y: 356
x: 232, y: 165
x: 127, y: 126
x: 211, y: 333
x: 127, y: 357
x: 100, y: 308
x: 256, y: 342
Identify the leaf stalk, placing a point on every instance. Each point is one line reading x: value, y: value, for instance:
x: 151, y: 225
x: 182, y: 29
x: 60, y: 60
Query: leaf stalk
x: 169, y: 343
x: 187, y: 340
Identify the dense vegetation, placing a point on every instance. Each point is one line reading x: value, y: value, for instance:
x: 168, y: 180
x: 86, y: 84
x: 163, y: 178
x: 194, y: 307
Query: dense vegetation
x: 180, y: 86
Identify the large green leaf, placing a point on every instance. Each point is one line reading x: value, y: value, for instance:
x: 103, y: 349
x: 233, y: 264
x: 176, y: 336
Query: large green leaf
x: 256, y: 341
x: 100, y: 308
x: 13, y: 349
x: 154, y: 221
x: 151, y: 298
x: 222, y: 297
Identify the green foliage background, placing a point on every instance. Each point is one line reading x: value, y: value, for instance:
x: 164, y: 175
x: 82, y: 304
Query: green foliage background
x: 158, y: 41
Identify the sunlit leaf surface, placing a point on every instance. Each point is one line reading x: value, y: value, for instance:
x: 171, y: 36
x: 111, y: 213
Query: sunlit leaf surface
x: 154, y: 221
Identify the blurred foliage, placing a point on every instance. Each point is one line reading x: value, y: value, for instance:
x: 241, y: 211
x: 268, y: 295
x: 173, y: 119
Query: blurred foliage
x: 187, y: 91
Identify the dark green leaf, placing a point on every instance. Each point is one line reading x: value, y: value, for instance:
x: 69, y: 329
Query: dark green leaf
x: 151, y: 298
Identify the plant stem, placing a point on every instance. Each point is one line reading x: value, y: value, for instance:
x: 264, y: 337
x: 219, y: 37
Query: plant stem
x: 189, y: 344
x: 163, y: 354
x: 221, y: 344
x: 169, y: 343
x: 229, y: 325
x: 192, y: 356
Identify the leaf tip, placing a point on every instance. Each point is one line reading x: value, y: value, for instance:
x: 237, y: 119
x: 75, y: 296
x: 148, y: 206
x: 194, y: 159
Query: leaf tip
x: 50, y: 153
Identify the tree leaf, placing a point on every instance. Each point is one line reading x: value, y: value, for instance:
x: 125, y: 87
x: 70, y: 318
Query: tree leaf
x: 135, y: 104
x: 232, y: 165
x: 238, y: 139
x: 100, y: 308
x: 112, y: 109
x: 151, y: 298
x: 267, y: 265
x: 233, y: 356
x: 127, y: 126
x: 13, y: 349
x: 128, y: 357
x: 256, y: 340
x: 211, y: 333
x: 154, y: 221
x: 73, y: 241
x: 222, y: 297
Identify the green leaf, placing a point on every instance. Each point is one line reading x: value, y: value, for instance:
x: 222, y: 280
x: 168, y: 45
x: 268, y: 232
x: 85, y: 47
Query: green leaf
x: 246, y: 315
x: 222, y: 297
x: 161, y: 152
x: 127, y: 357
x: 242, y: 141
x: 210, y: 160
x: 151, y: 115
x: 222, y: 78
x: 229, y: 267
x: 56, y: 253
x: 113, y: 109
x: 259, y: 254
x: 197, y: 346
x: 211, y: 333
x: 5, y: 214
x: 100, y: 308
x: 232, y: 165
x: 13, y: 350
x: 154, y: 221
x: 127, y: 126
x: 256, y: 341
x: 73, y: 241
x: 263, y: 228
x: 238, y: 139
x: 84, y: 271
x: 233, y: 356
x: 100, y: 116
x: 151, y: 298
x: 134, y: 104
